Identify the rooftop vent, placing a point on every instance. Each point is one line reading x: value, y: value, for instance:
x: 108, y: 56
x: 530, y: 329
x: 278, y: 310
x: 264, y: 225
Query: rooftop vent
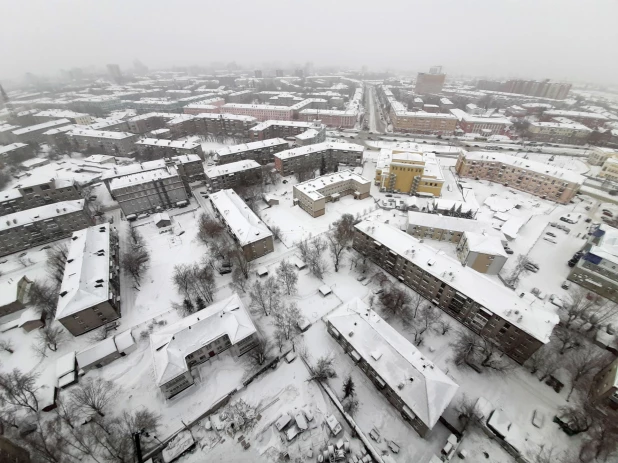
x: 63, y: 293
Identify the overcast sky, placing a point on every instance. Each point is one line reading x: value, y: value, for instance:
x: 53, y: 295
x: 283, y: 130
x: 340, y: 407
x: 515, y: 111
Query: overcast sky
x: 571, y: 40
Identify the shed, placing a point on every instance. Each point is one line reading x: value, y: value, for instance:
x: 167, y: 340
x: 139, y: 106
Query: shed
x: 48, y: 395
x: 301, y: 421
x: 162, y: 219
x: 298, y: 263
x: 261, y: 271
x: 31, y: 319
x: 98, y: 355
x: 325, y: 290
x: 283, y: 422
x: 65, y: 364
x: 271, y: 200
x: 125, y: 344
x: 67, y: 380
x: 303, y: 324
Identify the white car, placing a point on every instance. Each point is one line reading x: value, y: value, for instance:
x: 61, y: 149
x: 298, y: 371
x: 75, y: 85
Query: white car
x: 546, y: 238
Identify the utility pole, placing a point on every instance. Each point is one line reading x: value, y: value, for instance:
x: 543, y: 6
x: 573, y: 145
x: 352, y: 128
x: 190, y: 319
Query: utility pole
x: 138, y: 445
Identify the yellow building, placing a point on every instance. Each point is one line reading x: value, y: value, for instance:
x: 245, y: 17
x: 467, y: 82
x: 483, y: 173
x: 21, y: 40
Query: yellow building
x: 610, y: 169
x: 409, y: 172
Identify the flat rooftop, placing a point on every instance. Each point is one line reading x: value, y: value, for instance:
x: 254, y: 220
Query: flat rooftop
x: 234, y: 149
x: 48, y: 211
x: 168, y: 143
x: 142, y: 177
x: 537, y: 319
x: 319, y: 147
x: 44, y: 126
x: 101, y: 134
x: 456, y: 224
x: 231, y: 168
x: 313, y: 187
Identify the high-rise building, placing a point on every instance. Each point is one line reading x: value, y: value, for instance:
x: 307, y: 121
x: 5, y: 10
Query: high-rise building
x: 258, y: 74
x: 114, y: 72
x: 430, y: 83
x: 279, y: 72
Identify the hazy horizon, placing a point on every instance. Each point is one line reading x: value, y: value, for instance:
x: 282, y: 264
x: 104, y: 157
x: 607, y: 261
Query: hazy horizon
x: 541, y: 39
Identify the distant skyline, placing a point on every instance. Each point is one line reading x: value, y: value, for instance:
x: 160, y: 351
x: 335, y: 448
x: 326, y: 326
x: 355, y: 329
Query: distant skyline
x: 564, y: 40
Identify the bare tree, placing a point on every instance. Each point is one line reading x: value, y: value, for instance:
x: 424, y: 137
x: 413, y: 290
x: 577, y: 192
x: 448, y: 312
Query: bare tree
x: 471, y: 348
x: 137, y: 258
x: 416, y: 301
x: 551, y: 364
x: 582, y: 364
x: 242, y: 263
x: 348, y: 387
x: 287, y: 276
x: 443, y: 327
x: 279, y: 338
x: 395, y: 301
x: 7, y: 346
x: 602, y: 439
x: 323, y: 370
x: 311, y: 252
x: 265, y: 296
x: 56, y: 261
x: 337, y: 246
x: 203, y: 282
x: 259, y: 354
x: 18, y: 389
x: 425, y: 319
x: 220, y: 247
x: 538, y: 360
x: 94, y: 395
x: 286, y: 318
x: 579, y: 304
x: 181, y: 277
x: 43, y: 297
x: 208, y: 229
x: 239, y: 282
x: 565, y: 339
x: 51, y: 337
x: 468, y: 412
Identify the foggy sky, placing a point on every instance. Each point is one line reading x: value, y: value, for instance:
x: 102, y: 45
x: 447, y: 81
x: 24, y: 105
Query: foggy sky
x: 574, y: 40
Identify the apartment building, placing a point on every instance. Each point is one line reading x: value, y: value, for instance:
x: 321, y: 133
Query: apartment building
x: 33, y: 227
x: 439, y: 227
x: 59, y: 138
x: 333, y: 118
x: 6, y: 133
x: 537, y: 178
x: 13, y: 295
x: 34, y: 133
x: 15, y: 152
x: 53, y: 114
x: 182, y: 125
x: 591, y: 120
x: 609, y: 170
x: 604, y: 388
x: 489, y: 309
x: 329, y: 155
x: 189, y: 167
x: 111, y: 143
x: 108, y: 125
x: 313, y: 194
x: 481, y: 252
x: 243, y: 96
x: 261, y: 112
x: 541, y: 89
x: 262, y: 152
x: 285, y: 129
x: 423, y: 122
x: 148, y: 122
x: 90, y: 290
x: 149, y: 191
x: 248, y: 231
x: 232, y: 175
x: 596, y: 270
x: 209, y: 105
x: 181, y: 346
x: 97, y: 106
x: 485, y: 126
x: 559, y: 130
x: 409, y: 172
x: 229, y: 125
x: 156, y: 148
x: 29, y: 195
x: 418, y: 389
x: 598, y: 155
x: 429, y: 83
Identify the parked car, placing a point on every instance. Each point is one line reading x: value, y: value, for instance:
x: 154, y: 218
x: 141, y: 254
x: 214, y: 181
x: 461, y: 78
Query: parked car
x: 608, y: 213
x: 551, y: 234
x: 224, y: 270
x: 531, y: 268
x: 553, y: 224
x: 588, y: 220
x: 508, y: 251
x: 556, y: 300
x: 551, y: 240
x: 565, y: 284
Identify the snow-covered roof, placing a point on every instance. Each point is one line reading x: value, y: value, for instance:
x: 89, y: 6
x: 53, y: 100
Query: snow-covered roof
x: 242, y: 221
x: 576, y: 114
x: 43, y: 126
x: 142, y: 177
x: 171, y: 344
x: 120, y: 171
x: 12, y: 147
x: 319, y: 147
x: 421, y: 385
x: 607, y: 245
x: 307, y: 134
x: 202, y: 103
x: 48, y: 211
x: 168, y: 143
x: 86, y: 274
x: 65, y: 364
x: 526, y: 164
x: 124, y: 340
x: 485, y: 243
x: 266, y: 124
x: 455, y: 224
x: 161, y: 217
x: 62, y: 113
x: 66, y: 128
x: 538, y: 321
x: 101, y: 134
x: 229, y: 117
x: 330, y: 112
x: 562, y: 123
x: 256, y: 106
x: 145, y: 116
x: 466, y: 117
x: 231, y: 168
x: 96, y: 352
x: 313, y: 188
x: 235, y: 149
